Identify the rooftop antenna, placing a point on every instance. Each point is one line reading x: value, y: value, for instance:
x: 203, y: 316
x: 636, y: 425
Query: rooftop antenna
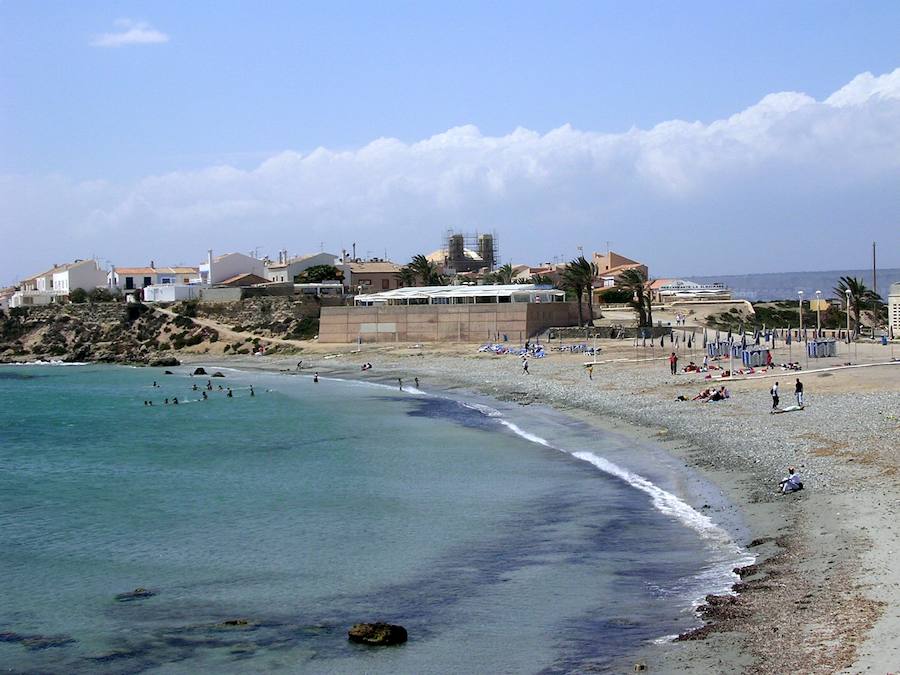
x: 321, y: 246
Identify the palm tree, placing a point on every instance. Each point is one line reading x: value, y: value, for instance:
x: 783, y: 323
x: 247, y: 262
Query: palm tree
x: 635, y: 282
x: 407, y: 276
x: 426, y: 271
x: 541, y: 279
x: 578, y: 276
x: 859, y: 295
x: 504, y: 275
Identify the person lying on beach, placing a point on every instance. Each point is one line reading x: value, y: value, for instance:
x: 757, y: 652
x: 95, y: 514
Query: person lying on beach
x: 703, y: 395
x: 719, y: 395
x: 792, y: 483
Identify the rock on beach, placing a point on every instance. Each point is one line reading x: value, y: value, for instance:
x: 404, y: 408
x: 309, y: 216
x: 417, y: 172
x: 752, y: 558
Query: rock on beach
x: 377, y: 634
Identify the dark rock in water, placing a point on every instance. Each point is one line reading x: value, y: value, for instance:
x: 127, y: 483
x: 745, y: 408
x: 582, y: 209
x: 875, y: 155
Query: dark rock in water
x: 168, y: 372
x: 136, y: 594
x: 217, y: 374
x: 377, y: 634
x: 164, y: 361
x: 199, y: 371
x: 36, y: 642
x: 760, y: 541
x: 746, y: 571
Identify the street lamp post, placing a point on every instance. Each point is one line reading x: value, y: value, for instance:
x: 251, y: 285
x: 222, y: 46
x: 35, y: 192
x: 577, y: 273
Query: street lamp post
x: 800, y: 294
x: 847, y: 293
x: 818, y: 313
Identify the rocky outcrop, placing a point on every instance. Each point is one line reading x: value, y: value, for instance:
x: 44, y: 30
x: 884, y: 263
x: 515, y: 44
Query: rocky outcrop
x: 112, y: 332
x: 377, y: 634
x: 287, y: 317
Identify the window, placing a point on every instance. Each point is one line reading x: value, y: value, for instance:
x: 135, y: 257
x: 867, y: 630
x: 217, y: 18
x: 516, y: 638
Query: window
x: 385, y: 284
x: 129, y: 283
x: 147, y: 281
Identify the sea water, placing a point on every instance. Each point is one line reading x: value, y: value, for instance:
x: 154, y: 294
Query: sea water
x: 506, y: 540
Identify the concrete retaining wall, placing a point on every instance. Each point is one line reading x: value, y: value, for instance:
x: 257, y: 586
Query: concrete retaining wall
x: 443, y: 323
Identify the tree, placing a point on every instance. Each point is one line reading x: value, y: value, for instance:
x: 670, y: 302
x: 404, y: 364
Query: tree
x: 504, y: 275
x: 578, y: 276
x: 541, y: 280
x: 78, y: 295
x: 426, y: 271
x: 635, y: 282
x: 860, y: 294
x: 407, y: 276
x: 319, y: 273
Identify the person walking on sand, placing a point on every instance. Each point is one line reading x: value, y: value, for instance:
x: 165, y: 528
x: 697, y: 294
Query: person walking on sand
x: 798, y: 392
x: 525, y: 367
x: 673, y: 363
x: 590, y: 370
x: 774, y: 392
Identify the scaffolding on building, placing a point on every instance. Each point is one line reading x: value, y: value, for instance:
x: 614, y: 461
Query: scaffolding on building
x: 471, y: 251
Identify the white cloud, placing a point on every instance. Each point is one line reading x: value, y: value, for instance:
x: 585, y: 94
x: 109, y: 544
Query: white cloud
x: 130, y: 33
x: 790, y: 182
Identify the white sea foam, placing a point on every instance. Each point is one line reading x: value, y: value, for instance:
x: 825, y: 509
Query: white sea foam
x: 665, y: 502
x: 48, y: 363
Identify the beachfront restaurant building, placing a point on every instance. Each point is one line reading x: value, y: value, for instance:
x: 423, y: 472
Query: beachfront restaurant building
x: 516, y: 312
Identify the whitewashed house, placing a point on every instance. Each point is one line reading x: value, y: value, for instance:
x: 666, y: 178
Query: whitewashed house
x: 55, y: 284
x: 132, y: 278
x: 286, y: 269
x: 228, y: 265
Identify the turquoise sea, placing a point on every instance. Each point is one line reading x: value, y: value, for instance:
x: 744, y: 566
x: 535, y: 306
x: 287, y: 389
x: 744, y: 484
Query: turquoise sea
x: 505, y: 539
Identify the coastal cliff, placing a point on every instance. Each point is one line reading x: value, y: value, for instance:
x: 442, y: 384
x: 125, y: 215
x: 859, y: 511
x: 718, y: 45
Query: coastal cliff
x: 141, y: 334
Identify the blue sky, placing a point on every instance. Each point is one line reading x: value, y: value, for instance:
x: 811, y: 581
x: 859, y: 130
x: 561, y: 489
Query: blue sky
x: 96, y: 140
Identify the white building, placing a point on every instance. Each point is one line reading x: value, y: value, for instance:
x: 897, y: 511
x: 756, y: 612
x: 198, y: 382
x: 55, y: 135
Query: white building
x: 286, y: 269
x: 670, y: 290
x: 461, y: 295
x: 894, y: 310
x: 217, y: 269
x: 171, y: 292
x: 131, y: 278
x: 55, y: 284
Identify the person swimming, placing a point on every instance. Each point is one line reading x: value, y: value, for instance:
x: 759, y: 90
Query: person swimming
x: 229, y: 394
x: 251, y: 391
x: 203, y: 394
x: 175, y: 401
x: 166, y: 402
x: 194, y: 388
x: 316, y: 377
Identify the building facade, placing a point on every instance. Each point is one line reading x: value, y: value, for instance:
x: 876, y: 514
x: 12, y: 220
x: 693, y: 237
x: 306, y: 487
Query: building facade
x: 286, y: 270
x: 894, y: 310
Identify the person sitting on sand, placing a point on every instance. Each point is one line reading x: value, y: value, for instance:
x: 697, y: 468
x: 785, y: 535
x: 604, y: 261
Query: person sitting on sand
x: 792, y: 482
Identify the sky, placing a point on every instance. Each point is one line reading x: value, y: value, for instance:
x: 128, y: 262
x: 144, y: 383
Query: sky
x: 700, y: 138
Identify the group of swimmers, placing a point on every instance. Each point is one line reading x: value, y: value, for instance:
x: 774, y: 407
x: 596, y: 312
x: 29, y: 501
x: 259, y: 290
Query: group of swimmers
x: 203, y: 396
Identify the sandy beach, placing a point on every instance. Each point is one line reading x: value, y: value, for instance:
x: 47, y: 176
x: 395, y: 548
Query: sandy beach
x: 824, y: 596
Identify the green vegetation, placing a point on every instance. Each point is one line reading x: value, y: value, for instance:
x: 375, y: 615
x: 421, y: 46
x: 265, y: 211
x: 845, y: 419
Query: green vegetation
x: 319, y: 273
x: 578, y: 277
x: 615, y: 295
x: 421, y: 270
x: 634, y: 282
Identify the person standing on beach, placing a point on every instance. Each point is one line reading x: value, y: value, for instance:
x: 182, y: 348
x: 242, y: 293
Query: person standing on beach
x: 417, y: 383
x: 590, y: 370
x: 798, y: 392
x: 400, y: 382
x: 673, y: 363
x: 525, y: 366
x: 316, y: 377
x: 774, y: 392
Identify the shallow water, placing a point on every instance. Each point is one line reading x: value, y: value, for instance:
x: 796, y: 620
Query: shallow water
x: 309, y: 507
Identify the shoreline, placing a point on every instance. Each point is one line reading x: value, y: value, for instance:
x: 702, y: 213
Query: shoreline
x: 818, y: 596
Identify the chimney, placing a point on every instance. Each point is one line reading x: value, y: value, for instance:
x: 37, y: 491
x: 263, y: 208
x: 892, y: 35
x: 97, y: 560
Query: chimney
x: 354, y: 250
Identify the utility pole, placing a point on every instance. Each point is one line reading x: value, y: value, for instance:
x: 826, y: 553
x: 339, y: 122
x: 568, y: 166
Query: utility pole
x: 874, y: 294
